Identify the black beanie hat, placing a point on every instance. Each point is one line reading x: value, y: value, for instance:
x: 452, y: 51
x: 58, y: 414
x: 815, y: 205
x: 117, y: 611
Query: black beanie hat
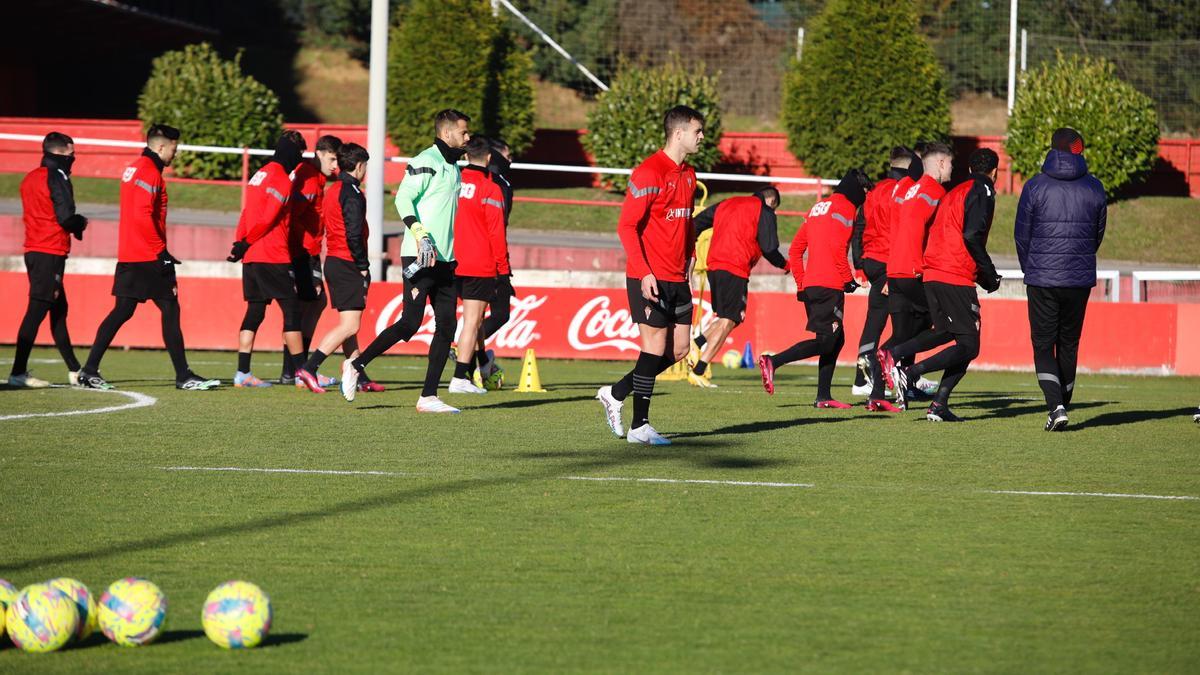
x: 287, y: 153
x: 853, y: 187
x: 1067, y: 140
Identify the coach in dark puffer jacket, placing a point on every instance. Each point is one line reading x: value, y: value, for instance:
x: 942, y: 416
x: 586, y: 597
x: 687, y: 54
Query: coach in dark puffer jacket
x: 1060, y: 224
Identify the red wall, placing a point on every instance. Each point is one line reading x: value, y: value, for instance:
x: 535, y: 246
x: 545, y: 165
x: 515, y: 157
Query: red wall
x: 593, y: 323
x: 1177, y: 171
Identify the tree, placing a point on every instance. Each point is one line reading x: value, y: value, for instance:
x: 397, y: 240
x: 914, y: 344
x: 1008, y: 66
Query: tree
x: 842, y: 110
x: 625, y: 127
x: 212, y: 102
x: 1118, y: 123
x: 456, y: 54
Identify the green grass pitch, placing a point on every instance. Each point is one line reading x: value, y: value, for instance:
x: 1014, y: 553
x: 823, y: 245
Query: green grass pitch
x: 883, y: 544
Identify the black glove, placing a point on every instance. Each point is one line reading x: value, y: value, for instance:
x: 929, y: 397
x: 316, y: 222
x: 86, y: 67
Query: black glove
x: 76, y: 224
x: 238, y: 251
x: 850, y: 286
x: 165, y: 257
x: 990, y: 281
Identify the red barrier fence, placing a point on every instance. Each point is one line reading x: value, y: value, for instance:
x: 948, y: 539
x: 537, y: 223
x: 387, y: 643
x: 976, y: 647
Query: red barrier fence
x: 1177, y: 171
x: 594, y: 323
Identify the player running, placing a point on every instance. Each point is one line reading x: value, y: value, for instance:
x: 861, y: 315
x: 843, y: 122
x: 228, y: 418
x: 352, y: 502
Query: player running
x: 262, y: 246
x: 955, y: 260
x: 822, y: 283
x: 482, y: 255
x: 870, y: 246
x: 906, y: 293
x: 48, y: 208
x: 744, y: 230
x: 427, y: 200
x: 347, y: 267
x: 145, y: 268
x: 305, y: 235
x: 655, y: 228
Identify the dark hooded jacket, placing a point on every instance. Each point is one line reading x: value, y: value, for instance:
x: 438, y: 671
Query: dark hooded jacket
x: 1060, y: 223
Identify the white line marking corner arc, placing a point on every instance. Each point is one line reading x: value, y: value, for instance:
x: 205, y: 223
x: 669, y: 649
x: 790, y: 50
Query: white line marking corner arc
x: 138, y: 400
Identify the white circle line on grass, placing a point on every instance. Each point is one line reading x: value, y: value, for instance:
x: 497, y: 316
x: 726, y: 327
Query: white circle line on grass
x: 685, y: 481
x: 138, y: 400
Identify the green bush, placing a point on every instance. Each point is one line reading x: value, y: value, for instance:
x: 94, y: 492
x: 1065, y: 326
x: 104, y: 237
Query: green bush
x: 625, y: 126
x: 1118, y: 123
x: 212, y: 102
x: 456, y: 54
x: 865, y: 82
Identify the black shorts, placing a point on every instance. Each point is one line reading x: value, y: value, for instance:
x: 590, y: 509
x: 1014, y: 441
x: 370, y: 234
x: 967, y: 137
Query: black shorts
x: 264, y: 282
x: 309, y: 281
x: 45, y: 272
x: 144, y: 281
x: 348, y: 286
x: 504, y: 292
x: 907, y: 296
x: 674, y: 304
x: 729, y: 295
x: 825, y: 308
x: 955, y: 309
x: 476, y: 288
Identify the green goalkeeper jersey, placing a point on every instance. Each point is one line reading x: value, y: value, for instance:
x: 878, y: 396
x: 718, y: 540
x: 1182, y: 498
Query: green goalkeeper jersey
x: 429, y: 195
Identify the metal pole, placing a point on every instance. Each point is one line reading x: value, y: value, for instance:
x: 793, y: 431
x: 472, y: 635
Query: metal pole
x: 245, y: 173
x: 376, y: 134
x: 550, y: 41
x: 1024, y: 48
x: 1012, y: 55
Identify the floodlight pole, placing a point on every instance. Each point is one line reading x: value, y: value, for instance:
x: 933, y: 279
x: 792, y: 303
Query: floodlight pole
x: 1012, y: 55
x: 376, y: 134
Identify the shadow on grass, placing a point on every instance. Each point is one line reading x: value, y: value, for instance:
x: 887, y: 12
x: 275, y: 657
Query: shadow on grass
x: 757, y: 427
x: 529, y: 403
x: 1130, y: 417
x: 1002, y: 408
x: 178, y: 636
x: 281, y: 639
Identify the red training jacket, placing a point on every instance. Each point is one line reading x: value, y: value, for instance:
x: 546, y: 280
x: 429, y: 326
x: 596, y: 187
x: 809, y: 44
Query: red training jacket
x: 963, y: 221
x: 344, y: 221
x: 910, y: 227
x: 826, y: 237
x: 265, y: 220
x: 656, y: 219
x: 305, y: 230
x: 876, y: 237
x: 143, y: 226
x: 734, y: 247
x: 43, y: 233
x: 480, y: 245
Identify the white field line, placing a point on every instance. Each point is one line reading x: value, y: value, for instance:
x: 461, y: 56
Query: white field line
x: 688, y: 481
x: 321, y: 472
x: 138, y: 401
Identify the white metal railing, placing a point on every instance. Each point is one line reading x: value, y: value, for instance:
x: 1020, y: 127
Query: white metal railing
x: 1142, y: 276
x: 1113, y: 277
x: 562, y: 168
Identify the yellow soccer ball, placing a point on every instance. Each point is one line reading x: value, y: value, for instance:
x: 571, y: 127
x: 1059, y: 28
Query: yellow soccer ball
x: 84, y: 602
x: 732, y: 359
x: 237, y: 614
x: 132, y: 612
x: 7, y: 593
x: 41, y: 619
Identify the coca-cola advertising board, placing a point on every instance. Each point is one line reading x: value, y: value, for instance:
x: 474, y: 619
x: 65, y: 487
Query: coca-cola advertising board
x: 594, y: 323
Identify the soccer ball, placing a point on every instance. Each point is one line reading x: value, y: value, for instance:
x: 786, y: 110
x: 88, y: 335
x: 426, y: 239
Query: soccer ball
x: 237, y: 614
x: 732, y: 359
x: 132, y: 612
x: 7, y: 593
x: 84, y: 602
x: 41, y: 619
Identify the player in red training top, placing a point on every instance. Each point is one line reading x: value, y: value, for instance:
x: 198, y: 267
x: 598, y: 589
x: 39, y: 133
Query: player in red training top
x: 306, y: 233
x: 870, y: 246
x: 48, y: 206
x: 655, y: 227
x: 822, y: 283
x: 906, y: 293
x: 955, y: 260
x: 744, y: 230
x: 347, y: 266
x: 262, y: 246
x: 145, y: 268
x: 481, y: 248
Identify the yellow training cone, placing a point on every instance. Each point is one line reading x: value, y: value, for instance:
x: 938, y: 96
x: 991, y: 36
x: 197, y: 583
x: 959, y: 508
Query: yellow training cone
x: 530, y: 380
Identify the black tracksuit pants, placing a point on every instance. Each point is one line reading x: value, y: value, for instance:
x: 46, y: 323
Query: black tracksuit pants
x: 1055, y: 324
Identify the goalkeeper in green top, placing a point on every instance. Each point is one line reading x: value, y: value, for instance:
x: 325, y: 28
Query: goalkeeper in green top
x: 427, y: 200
